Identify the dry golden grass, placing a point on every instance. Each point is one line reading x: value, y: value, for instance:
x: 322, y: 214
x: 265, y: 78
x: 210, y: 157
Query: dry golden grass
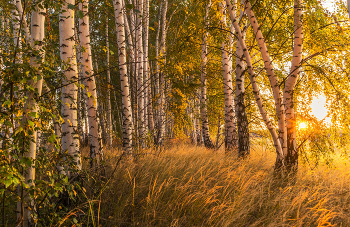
x: 192, y: 186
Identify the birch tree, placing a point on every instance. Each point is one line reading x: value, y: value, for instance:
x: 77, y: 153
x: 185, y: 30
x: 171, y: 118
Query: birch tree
x: 256, y: 91
x: 286, y: 119
x: 204, y: 115
x: 230, y: 123
x: 109, y: 108
x: 70, y: 137
x: 31, y: 109
x: 127, y: 112
x: 96, y: 152
x: 241, y: 114
x: 161, y: 98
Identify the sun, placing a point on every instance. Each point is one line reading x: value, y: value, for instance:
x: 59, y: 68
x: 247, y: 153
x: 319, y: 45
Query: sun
x: 302, y: 125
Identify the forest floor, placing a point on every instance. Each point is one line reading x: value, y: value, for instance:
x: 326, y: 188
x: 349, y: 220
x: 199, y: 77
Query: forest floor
x: 187, y: 185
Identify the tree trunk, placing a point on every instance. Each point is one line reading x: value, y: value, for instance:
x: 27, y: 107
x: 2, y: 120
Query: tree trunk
x: 157, y: 79
x: 148, y: 91
x: 230, y: 123
x: 70, y: 138
x: 127, y: 113
x: 204, y: 115
x: 291, y: 157
x: 161, y: 117
x: 140, y: 81
x: 271, y: 75
x: 38, y: 30
x: 109, y: 108
x: 96, y: 148
x: 241, y: 114
x: 254, y: 84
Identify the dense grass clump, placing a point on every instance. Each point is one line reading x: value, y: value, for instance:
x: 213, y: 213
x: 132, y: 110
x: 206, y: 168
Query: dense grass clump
x: 192, y: 186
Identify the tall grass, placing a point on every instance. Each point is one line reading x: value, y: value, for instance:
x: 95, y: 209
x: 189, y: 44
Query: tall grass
x: 192, y: 186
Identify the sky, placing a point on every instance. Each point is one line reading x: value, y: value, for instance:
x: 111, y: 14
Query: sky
x: 318, y: 108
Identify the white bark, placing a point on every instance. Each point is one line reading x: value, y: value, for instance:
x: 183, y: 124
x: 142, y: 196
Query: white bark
x: 38, y: 29
x: 157, y: 79
x: 204, y: 115
x: 140, y: 82
x: 230, y: 122
x: 161, y: 113
x: 127, y: 113
x: 148, y: 92
x: 96, y: 148
x: 270, y: 74
x: 109, y: 108
x: 292, y: 154
x: 70, y: 138
x: 254, y: 84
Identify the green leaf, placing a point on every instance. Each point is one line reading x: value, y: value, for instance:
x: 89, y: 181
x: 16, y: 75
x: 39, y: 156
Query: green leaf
x: 7, y: 182
x: 33, y: 114
x: 71, y: 6
x: 80, y: 14
x: 31, y: 123
x: 52, y: 138
x: 111, y: 52
x: 137, y: 11
x: 7, y: 103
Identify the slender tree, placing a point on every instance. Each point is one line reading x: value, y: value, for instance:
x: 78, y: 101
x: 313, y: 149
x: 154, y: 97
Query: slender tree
x: 127, y: 113
x: 204, y: 115
x: 109, y: 108
x: 31, y: 108
x: 230, y: 123
x: 70, y: 138
x: 96, y: 147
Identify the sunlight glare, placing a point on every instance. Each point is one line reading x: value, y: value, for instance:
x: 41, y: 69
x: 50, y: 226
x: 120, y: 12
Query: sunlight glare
x: 302, y: 125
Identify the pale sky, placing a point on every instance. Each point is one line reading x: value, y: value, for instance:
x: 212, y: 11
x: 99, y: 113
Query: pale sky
x: 319, y: 110
x: 329, y: 4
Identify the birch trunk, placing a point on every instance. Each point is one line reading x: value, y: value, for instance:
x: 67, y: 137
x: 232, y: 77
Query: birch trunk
x: 204, y: 115
x: 127, y: 113
x: 16, y: 24
x: 148, y: 91
x: 271, y: 75
x: 70, y: 137
x: 140, y: 82
x: 109, y: 108
x: 96, y: 148
x: 291, y: 158
x: 27, y: 208
x: 254, y: 84
x: 161, y: 117
x: 157, y: 79
x: 230, y: 123
x: 241, y: 114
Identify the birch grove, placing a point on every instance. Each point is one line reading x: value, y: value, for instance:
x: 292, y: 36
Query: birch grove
x: 225, y: 81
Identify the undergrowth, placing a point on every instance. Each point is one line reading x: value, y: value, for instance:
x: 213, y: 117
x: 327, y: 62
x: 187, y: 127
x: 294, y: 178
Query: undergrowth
x: 192, y: 186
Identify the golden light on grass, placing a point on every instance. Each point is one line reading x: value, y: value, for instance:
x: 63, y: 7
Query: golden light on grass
x: 302, y: 125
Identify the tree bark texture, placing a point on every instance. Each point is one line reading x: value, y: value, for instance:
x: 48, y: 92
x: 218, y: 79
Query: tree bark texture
x: 127, y: 112
x: 254, y: 84
x: 230, y: 121
x: 204, y: 115
x: 70, y: 137
x: 96, y: 147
